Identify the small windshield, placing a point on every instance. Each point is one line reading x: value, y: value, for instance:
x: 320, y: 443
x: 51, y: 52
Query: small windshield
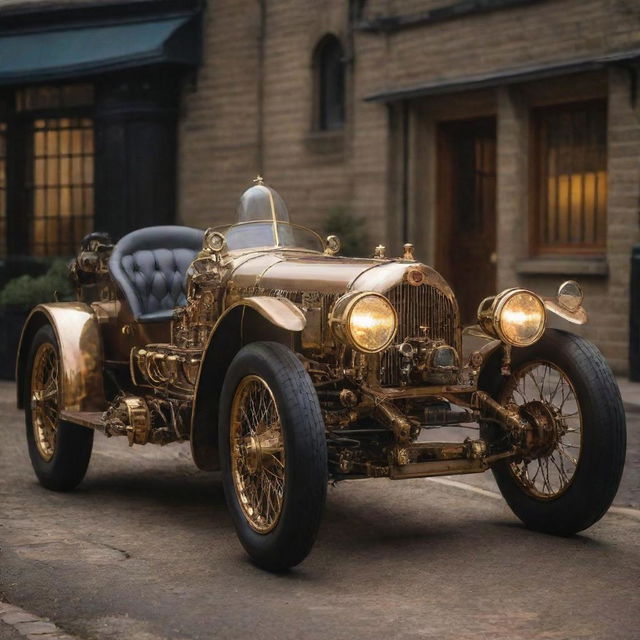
x: 250, y: 235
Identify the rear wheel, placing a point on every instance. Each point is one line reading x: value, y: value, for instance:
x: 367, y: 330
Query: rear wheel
x: 273, y: 454
x: 570, y: 472
x: 59, y: 452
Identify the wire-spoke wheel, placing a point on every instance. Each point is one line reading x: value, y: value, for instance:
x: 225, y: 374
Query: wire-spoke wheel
x: 257, y: 453
x: 569, y: 472
x: 273, y: 454
x: 59, y: 451
x: 545, y: 392
x: 44, y: 399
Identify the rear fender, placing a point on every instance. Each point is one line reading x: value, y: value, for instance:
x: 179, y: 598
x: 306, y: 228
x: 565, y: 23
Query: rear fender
x: 250, y: 320
x: 76, y: 328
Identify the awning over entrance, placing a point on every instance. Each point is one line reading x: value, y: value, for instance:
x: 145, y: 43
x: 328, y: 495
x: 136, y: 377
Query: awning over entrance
x: 75, y: 50
x: 506, y: 76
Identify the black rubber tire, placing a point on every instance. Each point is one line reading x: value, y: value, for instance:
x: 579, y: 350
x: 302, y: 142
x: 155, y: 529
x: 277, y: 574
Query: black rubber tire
x: 70, y: 460
x: 306, y: 471
x: 599, y: 469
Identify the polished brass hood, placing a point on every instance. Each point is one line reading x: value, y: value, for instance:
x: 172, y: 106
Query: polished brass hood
x: 301, y: 271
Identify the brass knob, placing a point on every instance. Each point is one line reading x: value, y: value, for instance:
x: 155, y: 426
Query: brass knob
x: 333, y: 245
x: 378, y: 252
x: 408, y: 252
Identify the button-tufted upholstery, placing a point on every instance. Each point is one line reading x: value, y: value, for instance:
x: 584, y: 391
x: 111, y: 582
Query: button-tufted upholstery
x: 150, y: 266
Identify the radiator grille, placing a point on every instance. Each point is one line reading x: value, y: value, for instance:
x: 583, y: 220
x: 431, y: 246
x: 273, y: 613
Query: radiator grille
x: 417, y: 306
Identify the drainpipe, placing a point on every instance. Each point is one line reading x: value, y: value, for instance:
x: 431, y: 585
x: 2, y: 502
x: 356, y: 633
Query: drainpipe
x: 405, y: 172
x: 260, y: 87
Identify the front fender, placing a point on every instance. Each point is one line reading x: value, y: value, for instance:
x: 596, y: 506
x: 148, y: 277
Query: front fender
x: 280, y: 312
x: 76, y: 328
x: 249, y: 320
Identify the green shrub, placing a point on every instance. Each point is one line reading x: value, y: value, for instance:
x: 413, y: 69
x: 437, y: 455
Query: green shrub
x: 351, y: 230
x: 28, y: 291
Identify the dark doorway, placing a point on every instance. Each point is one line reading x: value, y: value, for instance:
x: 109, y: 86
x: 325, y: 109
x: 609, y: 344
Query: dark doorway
x: 466, y: 228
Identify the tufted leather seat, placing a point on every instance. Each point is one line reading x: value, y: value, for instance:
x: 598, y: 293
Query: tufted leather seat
x: 150, y: 266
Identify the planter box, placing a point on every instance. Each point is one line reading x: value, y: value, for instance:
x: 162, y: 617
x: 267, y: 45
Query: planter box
x: 11, y: 322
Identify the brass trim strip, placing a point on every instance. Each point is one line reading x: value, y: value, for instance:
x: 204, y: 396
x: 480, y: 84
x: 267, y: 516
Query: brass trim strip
x: 373, y: 266
x: 252, y: 255
x: 261, y: 275
x: 273, y: 213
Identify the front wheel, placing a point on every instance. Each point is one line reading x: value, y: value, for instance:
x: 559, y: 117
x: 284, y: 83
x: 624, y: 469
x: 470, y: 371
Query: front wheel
x: 569, y: 475
x: 273, y: 454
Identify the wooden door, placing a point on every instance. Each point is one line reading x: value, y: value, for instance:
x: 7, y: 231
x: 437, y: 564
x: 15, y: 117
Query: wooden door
x: 466, y: 229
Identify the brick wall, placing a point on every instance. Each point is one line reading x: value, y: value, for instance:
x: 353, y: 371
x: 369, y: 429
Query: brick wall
x: 609, y: 325
x: 219, y: 130
x: 357, y: 169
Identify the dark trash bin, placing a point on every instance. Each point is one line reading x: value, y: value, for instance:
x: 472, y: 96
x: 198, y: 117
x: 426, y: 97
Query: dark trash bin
x: 634, y: 316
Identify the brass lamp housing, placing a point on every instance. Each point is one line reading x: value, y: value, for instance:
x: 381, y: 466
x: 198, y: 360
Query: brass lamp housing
x: 340, y: 320
x: 332, y: 245
x: 490, y: 316
x: 214, y: 241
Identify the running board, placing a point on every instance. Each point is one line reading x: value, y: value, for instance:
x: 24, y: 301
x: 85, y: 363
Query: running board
x: 91, y: 419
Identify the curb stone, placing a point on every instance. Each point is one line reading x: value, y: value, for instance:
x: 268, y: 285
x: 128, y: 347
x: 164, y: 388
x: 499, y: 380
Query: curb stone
x: 29, y: 625
x: 17, y: 617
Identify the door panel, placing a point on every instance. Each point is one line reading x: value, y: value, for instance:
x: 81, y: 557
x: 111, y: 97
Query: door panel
x: 467, y: 210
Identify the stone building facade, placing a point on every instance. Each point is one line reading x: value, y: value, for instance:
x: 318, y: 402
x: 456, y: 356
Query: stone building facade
x: 501, y: 137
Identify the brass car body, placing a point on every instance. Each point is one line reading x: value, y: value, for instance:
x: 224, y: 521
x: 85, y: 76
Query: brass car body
x: 159, y: 381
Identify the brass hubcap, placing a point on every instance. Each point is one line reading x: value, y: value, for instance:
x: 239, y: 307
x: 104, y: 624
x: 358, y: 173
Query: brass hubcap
x: 257, y: 453
x: 545, y: 431
x: 44, y: 400
x: 545, y: 396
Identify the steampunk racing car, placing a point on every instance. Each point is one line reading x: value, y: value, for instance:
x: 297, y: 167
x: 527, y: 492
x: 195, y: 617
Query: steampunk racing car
x: 285, y: 366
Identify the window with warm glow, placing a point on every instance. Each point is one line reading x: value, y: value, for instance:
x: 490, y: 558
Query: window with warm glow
x: 61, y: 185
x: 50, y: 182
x: 569, y: 190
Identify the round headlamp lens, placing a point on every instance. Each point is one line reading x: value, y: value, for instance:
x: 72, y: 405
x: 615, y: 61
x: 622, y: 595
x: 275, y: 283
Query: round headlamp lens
x: 521, y: 319
x: 372, y: 323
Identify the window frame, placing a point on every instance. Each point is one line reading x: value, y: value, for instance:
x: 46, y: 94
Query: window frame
x: 319, y: 119
x: 537, y: 248
x: 19, y: 125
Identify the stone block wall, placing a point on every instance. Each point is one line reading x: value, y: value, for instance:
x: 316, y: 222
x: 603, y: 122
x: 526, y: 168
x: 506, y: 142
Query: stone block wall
x: 228, y: 132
